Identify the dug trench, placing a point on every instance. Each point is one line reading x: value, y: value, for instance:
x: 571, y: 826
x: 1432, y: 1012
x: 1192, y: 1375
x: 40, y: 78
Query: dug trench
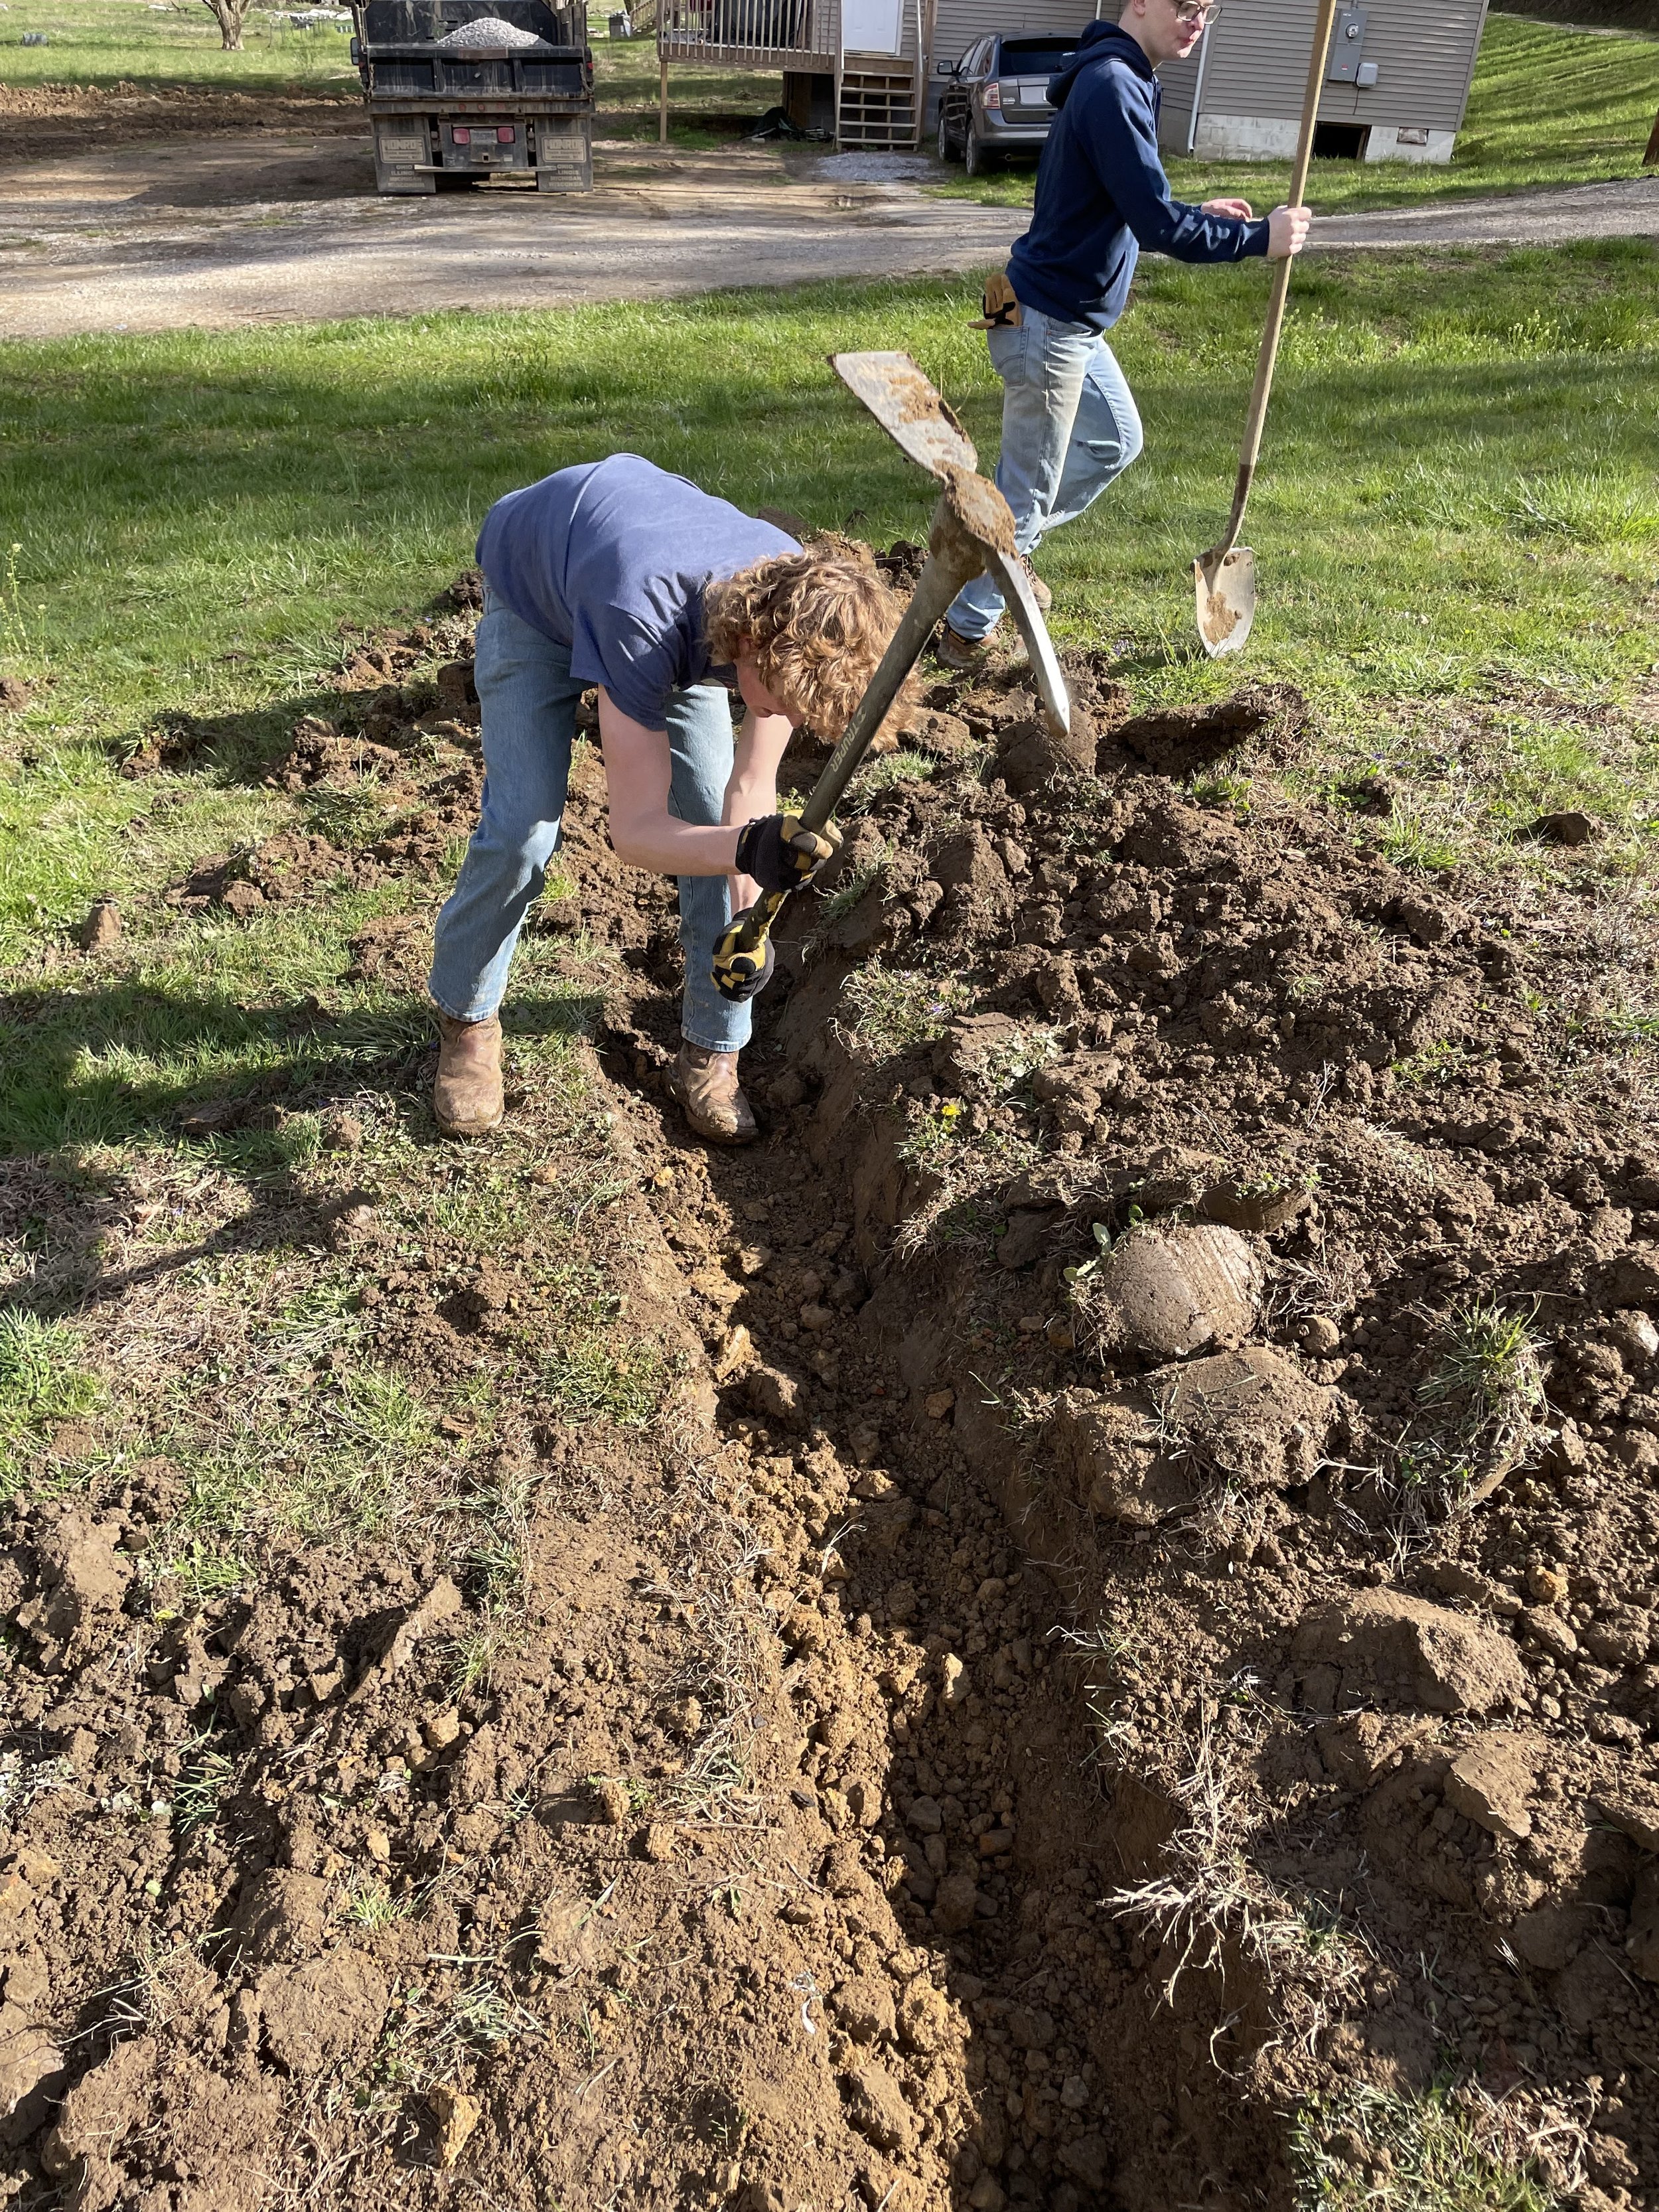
x: 1114, y: 1665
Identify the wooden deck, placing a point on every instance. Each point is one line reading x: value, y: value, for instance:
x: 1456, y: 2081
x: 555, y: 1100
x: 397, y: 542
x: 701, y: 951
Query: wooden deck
x: 690, y: 46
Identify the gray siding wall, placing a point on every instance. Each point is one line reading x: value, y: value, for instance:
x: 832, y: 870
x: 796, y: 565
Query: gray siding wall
x: 1425, y: 52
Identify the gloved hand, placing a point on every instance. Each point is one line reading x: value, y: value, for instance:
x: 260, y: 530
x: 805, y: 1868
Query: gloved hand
x: 739, y: 975
x: 780, y: 855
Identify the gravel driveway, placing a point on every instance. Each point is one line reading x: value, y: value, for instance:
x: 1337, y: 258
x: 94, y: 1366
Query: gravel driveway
x: 227, y: 229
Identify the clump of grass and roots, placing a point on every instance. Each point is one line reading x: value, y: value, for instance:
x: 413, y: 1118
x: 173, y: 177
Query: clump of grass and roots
x: 1483, y: 1403
x: 1453, y: 2150
x: 1211, y: 1905
x: 895, y: 1008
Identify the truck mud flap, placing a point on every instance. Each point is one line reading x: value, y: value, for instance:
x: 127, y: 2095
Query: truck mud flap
x: 400, y: 155
x: 564, y: 153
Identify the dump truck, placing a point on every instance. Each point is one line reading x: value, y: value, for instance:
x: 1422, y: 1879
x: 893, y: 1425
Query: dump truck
x: 461, y: 90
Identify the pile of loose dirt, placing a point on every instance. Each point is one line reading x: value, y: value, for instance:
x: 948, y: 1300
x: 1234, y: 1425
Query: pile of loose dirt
x: 1274, y: 1235
x: 1142, y: 1615
x: 43, y: 120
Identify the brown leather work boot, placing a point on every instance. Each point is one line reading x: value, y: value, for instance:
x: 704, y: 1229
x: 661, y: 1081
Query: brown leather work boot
x: 962, y: 656
x: 466, y: 1099
x: 706, y: 1086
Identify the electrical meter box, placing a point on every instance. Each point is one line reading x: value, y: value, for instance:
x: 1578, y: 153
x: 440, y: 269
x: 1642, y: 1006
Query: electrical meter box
x: 1346, y: 41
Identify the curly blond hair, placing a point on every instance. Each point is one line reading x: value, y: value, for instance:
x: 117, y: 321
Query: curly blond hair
x: 818, y: 621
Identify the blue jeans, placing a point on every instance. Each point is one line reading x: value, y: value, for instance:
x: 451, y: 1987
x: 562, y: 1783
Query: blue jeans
x: 528, y: 697
x: 1069, y: 426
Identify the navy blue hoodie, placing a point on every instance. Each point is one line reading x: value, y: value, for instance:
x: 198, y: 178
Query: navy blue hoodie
x: 1101, y: 193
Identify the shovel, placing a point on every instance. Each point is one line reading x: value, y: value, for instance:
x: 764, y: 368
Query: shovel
x: 1225, y: 577
x: 972, y: 531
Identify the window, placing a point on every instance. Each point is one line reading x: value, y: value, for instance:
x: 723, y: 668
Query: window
x: 1035, y: 57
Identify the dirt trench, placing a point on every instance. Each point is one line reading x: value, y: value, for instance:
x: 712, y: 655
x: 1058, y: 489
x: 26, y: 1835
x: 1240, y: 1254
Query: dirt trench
x: 1124, y: 1661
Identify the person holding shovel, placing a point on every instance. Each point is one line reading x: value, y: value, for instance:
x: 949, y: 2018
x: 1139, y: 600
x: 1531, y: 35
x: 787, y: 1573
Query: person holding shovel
x: 617, y: 574
x: 1069, y: 421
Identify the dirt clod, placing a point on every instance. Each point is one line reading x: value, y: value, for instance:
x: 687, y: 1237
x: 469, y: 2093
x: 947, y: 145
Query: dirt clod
x: 102, y: 927
x: 1397, y: 1649
x: 456, y: 2115
x: 1165, y: 1292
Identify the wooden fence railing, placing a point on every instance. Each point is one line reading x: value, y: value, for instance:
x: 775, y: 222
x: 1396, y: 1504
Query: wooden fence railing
x: 781, y: 27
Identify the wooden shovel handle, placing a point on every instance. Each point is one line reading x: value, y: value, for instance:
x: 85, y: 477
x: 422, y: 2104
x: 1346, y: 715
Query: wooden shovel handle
x: 1267, y: 358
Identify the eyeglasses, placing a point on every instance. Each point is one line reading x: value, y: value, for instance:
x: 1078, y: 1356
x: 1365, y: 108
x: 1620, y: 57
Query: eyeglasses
x: 1199, y: 17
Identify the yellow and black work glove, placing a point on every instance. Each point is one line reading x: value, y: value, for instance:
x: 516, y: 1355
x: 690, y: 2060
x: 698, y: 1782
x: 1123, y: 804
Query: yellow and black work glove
x: 780, y: 855
x: 1000, y: 308
x: 739, y: 972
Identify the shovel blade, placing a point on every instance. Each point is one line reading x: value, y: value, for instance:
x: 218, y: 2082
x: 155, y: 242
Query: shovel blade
x: 1226, y: 600
x: 894, y: 389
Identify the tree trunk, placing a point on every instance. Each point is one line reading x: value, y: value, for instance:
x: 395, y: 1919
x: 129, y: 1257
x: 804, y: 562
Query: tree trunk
x: 1652, y: 153
x: 229, y: 15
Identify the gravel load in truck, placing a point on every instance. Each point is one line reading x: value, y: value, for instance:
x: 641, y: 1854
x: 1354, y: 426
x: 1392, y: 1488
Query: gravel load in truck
x: 459, y: 91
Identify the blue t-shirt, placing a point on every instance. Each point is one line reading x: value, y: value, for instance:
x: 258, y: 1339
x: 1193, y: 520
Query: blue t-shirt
x: 611, y: 559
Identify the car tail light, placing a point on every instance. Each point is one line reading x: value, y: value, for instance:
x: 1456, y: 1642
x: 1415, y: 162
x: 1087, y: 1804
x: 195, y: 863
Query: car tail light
x: 461, y: 136
x: 505, y: 133
x: 992, y: 95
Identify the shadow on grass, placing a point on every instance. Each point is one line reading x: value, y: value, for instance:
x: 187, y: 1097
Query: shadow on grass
x: 133, y: 1064
x: 256, y: 1076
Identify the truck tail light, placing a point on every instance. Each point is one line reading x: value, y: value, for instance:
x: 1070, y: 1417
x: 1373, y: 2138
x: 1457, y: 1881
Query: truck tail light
x: 505, y: 133
x: 992, y: 95
x: 461, y: 134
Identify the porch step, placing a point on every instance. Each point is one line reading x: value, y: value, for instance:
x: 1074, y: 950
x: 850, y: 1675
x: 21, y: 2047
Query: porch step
x: 878, y: 109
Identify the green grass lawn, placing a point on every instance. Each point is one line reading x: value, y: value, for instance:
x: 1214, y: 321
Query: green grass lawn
x: 1549, y: 107
x: 112, y: 42
x: 1457, y: 498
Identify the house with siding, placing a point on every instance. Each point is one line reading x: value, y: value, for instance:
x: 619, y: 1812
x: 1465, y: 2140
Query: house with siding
x: 1396, y: 88
x: 868, y: 71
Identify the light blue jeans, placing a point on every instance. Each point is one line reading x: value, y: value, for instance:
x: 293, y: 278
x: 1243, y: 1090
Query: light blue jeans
x: 528, y: 699
x: 1069, y: 426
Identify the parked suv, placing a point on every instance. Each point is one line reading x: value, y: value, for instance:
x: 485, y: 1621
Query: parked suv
x: 996, y: 99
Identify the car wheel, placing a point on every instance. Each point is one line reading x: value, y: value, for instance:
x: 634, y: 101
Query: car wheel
x: 977, y: 156
x: 947, y: 143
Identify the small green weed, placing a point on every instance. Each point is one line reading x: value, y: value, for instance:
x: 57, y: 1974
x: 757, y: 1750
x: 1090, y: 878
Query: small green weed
x: 933, y: 1132
x: 427, y: 2040
x: 1445, y: 1062
x: 1219, y: 789
x: 204, y: 1778
x: 1485, y: 1398
x: 370, y: 1903
x: 1409, y: 841
x: 1488, y: 1374
x: 881, y: 774
x: 13, y: 627
x: 849, y: 891
x: 350, y: 816
x: 477, y: 1654
x: 1012, y: 1063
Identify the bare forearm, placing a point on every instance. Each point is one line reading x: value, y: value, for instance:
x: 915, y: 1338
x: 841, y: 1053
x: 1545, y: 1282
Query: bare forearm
x: 669, y: 846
